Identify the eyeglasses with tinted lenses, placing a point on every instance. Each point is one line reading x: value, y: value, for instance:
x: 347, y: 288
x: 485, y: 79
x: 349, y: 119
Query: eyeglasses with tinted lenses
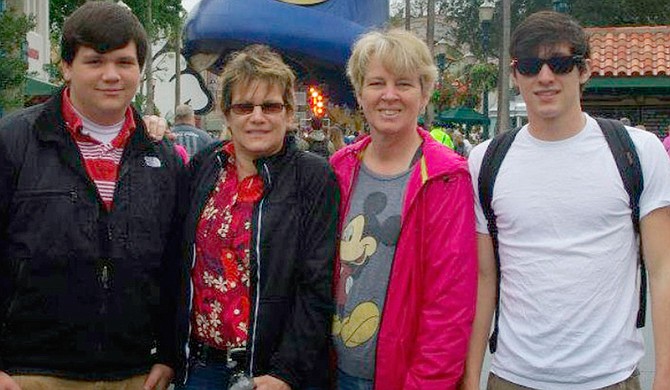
x: 531, y: 66
x: 248, y: 108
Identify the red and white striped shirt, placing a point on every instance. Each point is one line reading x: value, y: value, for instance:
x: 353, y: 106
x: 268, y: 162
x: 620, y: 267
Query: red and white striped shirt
x: 101, y: 160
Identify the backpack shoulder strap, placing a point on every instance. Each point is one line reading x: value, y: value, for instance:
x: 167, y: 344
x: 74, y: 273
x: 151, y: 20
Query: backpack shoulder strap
x: 491, y: 162
x: 627, y: 161
x: 630, y: 169
x: 488, y: 172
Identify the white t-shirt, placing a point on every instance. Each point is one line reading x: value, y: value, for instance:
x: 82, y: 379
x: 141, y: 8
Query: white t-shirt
x: 569, y: 294
x: 101, y: 133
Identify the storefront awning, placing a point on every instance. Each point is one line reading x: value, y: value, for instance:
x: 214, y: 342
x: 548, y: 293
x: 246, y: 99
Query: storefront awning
x: 35, y: 87
x: 647, y: 85
x: 464, y: 115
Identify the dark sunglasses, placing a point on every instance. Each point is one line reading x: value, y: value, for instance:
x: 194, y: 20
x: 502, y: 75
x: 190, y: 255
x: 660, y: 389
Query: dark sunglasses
x: 248, y: 108
x: 531, y: 66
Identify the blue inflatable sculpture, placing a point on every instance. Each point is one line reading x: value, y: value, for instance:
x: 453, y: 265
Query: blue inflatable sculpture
x: 314, y: 36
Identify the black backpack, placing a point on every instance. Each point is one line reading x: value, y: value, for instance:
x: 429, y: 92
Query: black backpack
x: 628, y: 164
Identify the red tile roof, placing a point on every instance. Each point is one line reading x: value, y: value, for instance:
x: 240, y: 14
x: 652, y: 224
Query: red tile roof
x: 630, y: 51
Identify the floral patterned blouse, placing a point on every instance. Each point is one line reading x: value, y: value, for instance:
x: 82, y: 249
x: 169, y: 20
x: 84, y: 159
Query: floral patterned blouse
x: 221, y: 273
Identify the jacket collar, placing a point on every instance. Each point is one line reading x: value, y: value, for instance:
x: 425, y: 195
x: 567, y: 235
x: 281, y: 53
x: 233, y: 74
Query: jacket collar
x: 273, y: 163
x: 432, y: 161
x: 436, y: 161
x: 51, y: 126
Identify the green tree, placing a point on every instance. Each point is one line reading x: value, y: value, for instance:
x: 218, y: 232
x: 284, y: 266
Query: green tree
x: 165, y: 17
x: 466, y: 86
x: 165, y: 14
x: 464, y: 15
x: 590, y: 13
x: 165, y: 20
x: 13, y: 64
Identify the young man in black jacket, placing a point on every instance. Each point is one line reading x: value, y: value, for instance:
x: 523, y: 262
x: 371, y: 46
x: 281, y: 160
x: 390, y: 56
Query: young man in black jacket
x: 87, y: 220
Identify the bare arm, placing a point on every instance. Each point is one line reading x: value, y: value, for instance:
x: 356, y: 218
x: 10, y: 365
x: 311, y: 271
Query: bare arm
x: 655, y: 230
x: 486, y: 303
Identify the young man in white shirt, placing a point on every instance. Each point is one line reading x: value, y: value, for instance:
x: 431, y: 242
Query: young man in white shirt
x: 567, y: 246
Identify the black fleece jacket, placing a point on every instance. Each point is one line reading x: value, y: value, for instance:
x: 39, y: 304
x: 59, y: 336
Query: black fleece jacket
x: 85, y: 293
x: 292, y: 250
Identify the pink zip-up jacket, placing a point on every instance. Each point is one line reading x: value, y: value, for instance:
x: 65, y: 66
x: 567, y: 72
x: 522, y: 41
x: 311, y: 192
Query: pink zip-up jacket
x: 430, y: 303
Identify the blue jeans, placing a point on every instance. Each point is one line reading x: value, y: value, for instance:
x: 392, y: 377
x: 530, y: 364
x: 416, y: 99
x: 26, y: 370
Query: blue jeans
x: 206, y: 376
x: 348, y: 382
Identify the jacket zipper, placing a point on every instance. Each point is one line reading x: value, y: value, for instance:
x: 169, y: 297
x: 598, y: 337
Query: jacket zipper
x: 12, y: 301
x: 258, y: 275
x: 187, y: 350
x: 105, y: 282
x: 386, y: 294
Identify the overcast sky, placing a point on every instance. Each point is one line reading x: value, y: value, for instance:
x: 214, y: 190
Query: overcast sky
x: 188, y: 4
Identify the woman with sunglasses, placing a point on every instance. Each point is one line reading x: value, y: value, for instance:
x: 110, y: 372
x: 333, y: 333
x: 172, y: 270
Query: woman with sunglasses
x: 260, y: 239
x: 407, y: 259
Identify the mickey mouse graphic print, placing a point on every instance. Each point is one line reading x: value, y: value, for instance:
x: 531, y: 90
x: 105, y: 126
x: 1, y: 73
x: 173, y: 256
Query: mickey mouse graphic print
x: 367, y: 247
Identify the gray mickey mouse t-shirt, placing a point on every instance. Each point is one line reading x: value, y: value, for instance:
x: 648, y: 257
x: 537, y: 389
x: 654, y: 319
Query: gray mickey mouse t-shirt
x: 367, y: 246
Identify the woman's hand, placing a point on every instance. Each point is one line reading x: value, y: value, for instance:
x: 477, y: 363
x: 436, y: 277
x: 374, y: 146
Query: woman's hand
x: 159, y: 377
x: 157, y: 127
x: 268, y: 382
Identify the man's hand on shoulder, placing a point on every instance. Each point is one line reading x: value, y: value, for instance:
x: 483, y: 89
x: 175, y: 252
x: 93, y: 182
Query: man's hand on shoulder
x: 157, y: 127
x: 159, y: 378
x: 7, y: 383
x: 267, y: 382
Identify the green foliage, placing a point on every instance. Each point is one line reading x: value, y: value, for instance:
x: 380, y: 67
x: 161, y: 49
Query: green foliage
x: 452, y: 91
x: 466, y: 86
x: 13, y: 65
x: 165, y: 21
x: 590, y: 13
x: 482, y: 77
x: 139, y: 101
x: 165, y: 14
x: 55, y: 73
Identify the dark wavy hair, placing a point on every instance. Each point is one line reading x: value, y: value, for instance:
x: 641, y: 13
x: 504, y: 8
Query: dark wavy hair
x: 104, y: 27
x: 546, y: 30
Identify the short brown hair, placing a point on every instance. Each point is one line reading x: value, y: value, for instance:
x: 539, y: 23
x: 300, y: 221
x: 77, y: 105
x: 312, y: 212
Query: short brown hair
x: 257, y: 63
x: 104, y: 27
x: 547, y: 29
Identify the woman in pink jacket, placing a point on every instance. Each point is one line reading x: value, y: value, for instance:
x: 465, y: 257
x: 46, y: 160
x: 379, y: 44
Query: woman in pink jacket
x: 406, y: 284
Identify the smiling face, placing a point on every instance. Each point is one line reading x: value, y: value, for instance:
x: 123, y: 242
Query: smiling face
x: 391, y: 102
x: 103, y: 85
x: 258, y: 134
x: 553, y: 97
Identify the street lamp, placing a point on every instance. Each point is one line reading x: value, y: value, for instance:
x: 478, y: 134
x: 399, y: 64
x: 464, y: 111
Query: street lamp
x: 441, y: 55
x: 560, y: 6
x: 485, y: 17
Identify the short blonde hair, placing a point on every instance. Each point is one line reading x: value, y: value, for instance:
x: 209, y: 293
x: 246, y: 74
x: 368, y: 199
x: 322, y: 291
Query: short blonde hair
x: 399, y: 51
x: 257, y: 63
